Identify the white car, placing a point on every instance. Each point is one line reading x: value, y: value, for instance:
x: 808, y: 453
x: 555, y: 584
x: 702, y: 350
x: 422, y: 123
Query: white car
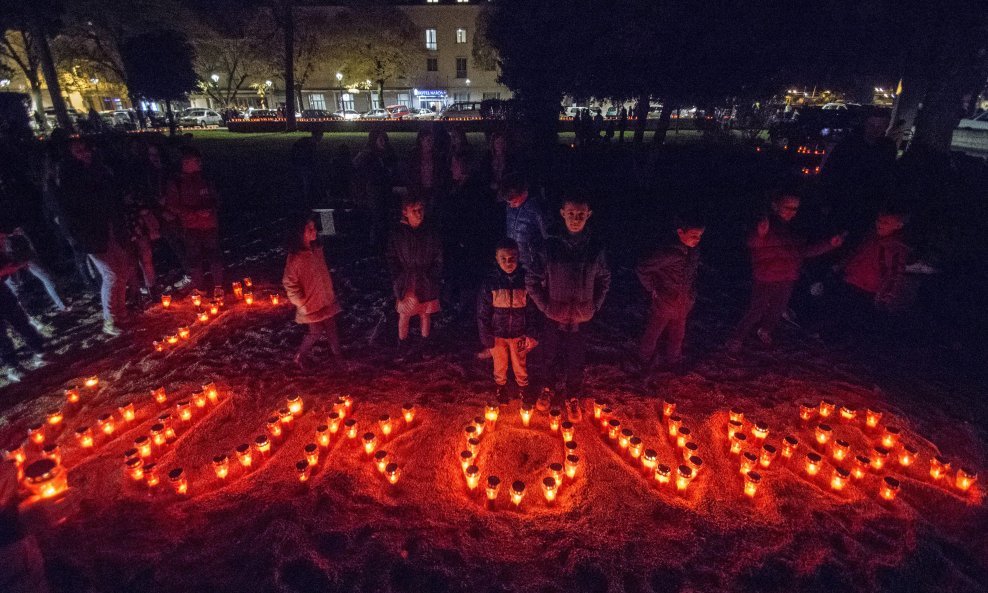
x: 422, y: 114
x: 199, y: 118
x: 979, y: 122
x: 375, y: 114
x: 347, y: 114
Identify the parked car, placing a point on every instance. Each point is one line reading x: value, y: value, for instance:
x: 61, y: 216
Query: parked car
x: 375, y: 114
x: 979, y: 122
x: 464, y: 110
x: 74, y: 115
x: 119, y: 120
x: 200, y: 118
x: 315, y: 114
x: 262, y: 114
x: 422, y: 114
x: 398, y: 111
x: 347, y: 114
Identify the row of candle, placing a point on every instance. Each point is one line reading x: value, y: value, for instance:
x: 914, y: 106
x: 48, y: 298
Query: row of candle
x: 369, y: 441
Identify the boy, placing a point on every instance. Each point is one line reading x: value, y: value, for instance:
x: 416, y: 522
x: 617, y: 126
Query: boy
x: 874, y: 271
x: 668, y: 274
x: 506, y: 319
x: 192, y: 200
x: 777, y: 254
x: 523, y: 217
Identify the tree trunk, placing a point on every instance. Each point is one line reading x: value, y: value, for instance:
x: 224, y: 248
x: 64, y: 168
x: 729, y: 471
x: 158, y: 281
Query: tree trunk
x: 51, y: 75
x: 289, y: 30
x: 662, y: 128
x: 942, y: 107
x: 171, y: 118
x: 641, y: 118
x: 380, y: 94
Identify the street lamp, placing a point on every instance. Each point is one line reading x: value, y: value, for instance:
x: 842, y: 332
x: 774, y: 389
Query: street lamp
x: 215, y: 78
x: 4, y: 82
x: 339, y: 81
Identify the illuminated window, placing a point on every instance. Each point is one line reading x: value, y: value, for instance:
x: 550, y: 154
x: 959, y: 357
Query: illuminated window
x: 461, y: 35
x: 461, y: 67
x: 430, y: 39
x: 317, y: 101
x: 462, y: 1
x: 432, y: 1
x: 432, y: 64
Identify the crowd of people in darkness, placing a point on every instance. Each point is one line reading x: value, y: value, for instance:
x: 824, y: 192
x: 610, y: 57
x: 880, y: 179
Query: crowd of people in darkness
x: 457, y: 228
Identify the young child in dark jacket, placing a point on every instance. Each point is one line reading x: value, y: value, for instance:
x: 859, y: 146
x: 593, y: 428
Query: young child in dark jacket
x: 873, y: 274
x: 506, y: 319
x: 668, y: 274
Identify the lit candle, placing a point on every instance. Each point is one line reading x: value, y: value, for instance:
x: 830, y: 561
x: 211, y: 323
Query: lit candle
x: 244, y: 455
x: 473, y: 444
x: 751, y: 482
x: 663, y: 474
x: 736, y: 415
x: 493, y: 486
x: 965, y: 479
x: 572, y: 465
x: 370, y: 442
x: 45, y: 478
x: 759, y: 431
x: 172, y: 339
x: 635, y: 447
x: 789, y: 446
x: 143, y: 445
x: 275, y: 299
x: 199, y: 399
x: 131, y: 453
x: 159, y: 395
x: 381, y: 460
x: 303, y: 470
x: 184, y: 410
x: 248, y: 283
x: 767, y: 455
x: 668, y: 407
x: 166, y: 300
x: 295, y: 405
x: 888, y: 488
x: 823, y: 433
x: 350, y: 427
x: 214, y: 309
x: 733, y: 427
x: 203, y: 317
x: 16, y: 455
x: 106, y: 424
x: 890, y: 437
x: 613, y: 429
x: 684, y: 477
x: 649, y: 460
x: 674, y: 423
x: 939, y: 466
x: 384, y: 423
x: 839, y: 478
x: 695, y: 463
x: 221, y: 465
x: 469, y: 432
x: 311, y: 451
x: 848, y: 413
x: 238, y: 290
x: 813, y: 463
x: 127, y: 412
x: 491, y: 412
x: 158, y: 434
x: 807, y: 411
x: 517, y: 492
x: 549, y: 488
x: 624, y: 437
x: 212, y: 393
x: 159, y: 346
x: 35, y: 433
x: 322, y: 435
x: 55, y: 417
x: 683, y: 437
x: 333, y: 420
x: 555, y: 416
x: 72, y: 395
x: 861, y: 465
x: 466, y: 459
x: 605, y: 416
x: 249, y: 298
x: 52, y: 451
x: 196, y: 299
x: 408, y: 413
x: 739, y: 443
x: 571, y: 448
x: 526, y: 414
x: 879, y: 455
x: 176, y: 478
x: 568, y: 430
x: 598, y: 408
x: 472, y: 474
x: 151, y: 475
x: 184, y: 333
x: 690, y: 449
x: 872, y: 418
x: 840, y: 449
x: 262, y: 445
x: 286, y: 416
x: 555, y: 470
x: 748, y: 461
x: 907, y: 455
x: 827, y: 408
x: 391, y: 472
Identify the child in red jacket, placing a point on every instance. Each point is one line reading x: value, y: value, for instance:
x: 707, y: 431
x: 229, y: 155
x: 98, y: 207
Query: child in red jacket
x: 874, y: 271
x: 192, y: 200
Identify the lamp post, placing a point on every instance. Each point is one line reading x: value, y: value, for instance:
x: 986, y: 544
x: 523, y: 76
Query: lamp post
x: 339, y: 81
x: 216, y: 80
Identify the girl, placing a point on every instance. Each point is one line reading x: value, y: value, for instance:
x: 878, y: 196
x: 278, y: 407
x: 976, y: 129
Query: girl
x: 310, y: 289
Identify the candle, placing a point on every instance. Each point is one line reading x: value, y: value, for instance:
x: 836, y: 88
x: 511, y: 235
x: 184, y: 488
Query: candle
x: 491, y: 412
x: 350, y: 428
x: 827, y: 408
x: 690, y: 449
x: 203, y: 317
x: 568, y: 430
x: 478, y: 423
x: 159, y: 395
x: 248, y: 283
x: 196, y: 299
x: 823, y: 433
x: 807, y: 411
x: 158, y: 346
x: 668, y: 407
x: 275, y: 299
x: 549, y: 488
x: 840, y: 449
x: 143, y: 446
x: 244, y: 455
x: 890, y: 437
x: 212, y: 393
x: 683, y: 437
x: 286, y: 416
x: 221, y: 465
x: 674, y: 423
x: 322, y: 435
x: 472, y: 474
x: 748, y: 461
x: 381, y: 460
x: 273, y: 426
x: 861, y: 464
x: 571, y: 448
x: 739, y: 443
x: 184, y: 409
x: 789, y: 446
x: 184, y: 333
x: 384, y: 423
x: 695, y: 463
x: 649, y: 460
x: 759, y: 431
x: 176, y: 478
x: 907, y: 455
x: 605, y: 415
x: 572, y: 465
x: 52, y: 451
x: 72, y: 395
x: 199, y: 399
x: 370, y: 442
x: 158, y: 434
x: 879, y: 455
x: 872, y: 418
x: 469, y: 432
x: 736, y: 415
x: 613, y: 429
x: 733, y: 427
x: 598, y: 408
x: 16, y: 455
x: 295, y: 405
x: 172, y: 339
x: 663, y: 474
x: 635, y: 447
x: 249, y: 298
x: 848, y: 413
x: 965, y: 478
x: 151, y: 475
x: 813, y: 462
x: 303, y: 470
x: 555, y: 470
x: 45, y: 478
x: 131, y: 453
x: 262, y: 445
x: 333, y: 420
x: 106, y: 424
x: 35, y: 433
x: 888, y: 488
x: 939, y: 466
x: 408, y: 413
x: 684, y: 477
x: 493, y: 486
x: 839, y: 479
x: 166, y: 300
x: 466, y: 459
x: 555, y: 417
x: 127, y: 412
x: 751, y: 482
x: 311, y: 451
x: 391, y: 472
x: 238, y: 290
x: 214, y: 309
x: 473, y: 444
x: 526, y: 414
x: 55, y: 417
x: 517, y: 492
x: 767, y: 455
x: 624, y: 437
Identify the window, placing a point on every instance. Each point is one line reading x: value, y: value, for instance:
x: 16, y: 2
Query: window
x: 375, y: 101
x: 461, y: 98
x: 317, y: 101
x: 430, y: 39
x: 461, y: 67
x: 348, y: 101
x: 432, y: 1
x: 461, y: 35
x: 405, y: 99
x: 462, y: 1
x: 432, y: 64
x: 488, y: 96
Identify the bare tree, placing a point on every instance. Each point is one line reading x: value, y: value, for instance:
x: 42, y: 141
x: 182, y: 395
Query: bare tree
x: 15, y: 48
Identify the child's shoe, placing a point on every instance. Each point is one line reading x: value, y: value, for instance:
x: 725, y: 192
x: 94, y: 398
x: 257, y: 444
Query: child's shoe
x: 542, y: 404
x: 573, y: 411
x: 501, y: 394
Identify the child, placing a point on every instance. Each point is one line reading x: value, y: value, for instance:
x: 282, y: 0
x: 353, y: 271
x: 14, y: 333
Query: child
x: 310, y: 289
x: 192, y: 200
x: 874, y: 271
x: 777, y: 254
x: 505, y: 318
x: 415, y: 257
x: 669, y: 276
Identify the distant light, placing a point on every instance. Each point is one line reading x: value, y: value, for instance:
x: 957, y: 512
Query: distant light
x: 268, y: 83
x: 468, y: 81
x: 4, y: 82
x: 339, y: 76
x: 879, y: 89
x: 215, y: 77
x: 94, y: 80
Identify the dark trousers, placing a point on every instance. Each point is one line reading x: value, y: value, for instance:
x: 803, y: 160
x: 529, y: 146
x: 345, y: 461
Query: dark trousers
x: 202, y: 250
x: 565, y: 354
x: 769, y: 301
x: 325, y: 327
x: 16, y: 318
x: 667, y: 326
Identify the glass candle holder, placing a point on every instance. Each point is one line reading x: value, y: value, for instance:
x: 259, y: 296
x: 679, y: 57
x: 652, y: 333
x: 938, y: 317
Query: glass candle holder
x: 322, y: 435
x: 196, y: 299
x: 568, y: 430
x: 248, y: 298
x: 303, y: 470
x: 767, y: 455
x: 860, y: 467
x: 157, y: 431
x: 15, y: 455
x: 221, y: 465
x: 813, y: 463
x: 879, y: 457
x: 91, y: 382
x: 807, y: 411
x: 214, y: 309
x: 472, y: 475
x: 965, y: 478
x: 238, y: 290
x: 491, y: 412
x: 735, y: 415
x: 888, y: 488
x: 212, y: 393
x: 178, y: 481
x: 605, y: 415
x: 36, y: 433
x: 199, y: 399
x: 555, y: 417
x: 143, y: 445
x: 72, y: 395
x: 275, y: 299
x: 262, y: 445
x: 907, y: 454
x: 106, y: 424
x: 649, y: 460
x: 244, y: 455
x: 598, y: 408
x: 473, y: 445
x: 789, y: 446
x: 526, y: 414
x: 311, y: 452
x: 572, y: 465
x: 748, y: 462
x: 466, y: 459
x: 739, y: 443
x: 480, y: 424
x: 517, y: 492
x: 571, y: 448
x: 203, y: 317
x: 184, y: 410
x: 392, y: 473
x: 823, y: 433
x: 890, y: 437
x: 827, y: 408
x: 939, y: 467
x: 555, y: 471
x: 333, y: 420
x: 248, y: 283
x: 172, y: 339
x: 695, y: 463
x: 384, y: 424
x: 759, y: 431
x: 684, y: 436
x: 127, y: 412
x: 54, y: 418
x: 493, y: 487
x: 872, y: 418
x: 613, y: 429
x: 839, y: 478
x: 151, y: 479
x: 469, y: 432
x: 733, y: 428
x: 166, y: 300
x: 663, y: 474
x: 624, y: 437
x: 381, y: 460
x: 549, y: 488
x: 408, y: 413
x: 684, y: 476
x: 286, y: 417
x: 184, y: 333
x: 690, y: 449
x: 159, y: 395
x: 295, y: 405
x: 635, y: 447
x: 45, y: 478
x: 668, y: 407
x: 674, y: 423
x: 350, y: 427
x: 370, y: 443
x: 848, y: 413
x: 751, y: 482
x: 840, y: 449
